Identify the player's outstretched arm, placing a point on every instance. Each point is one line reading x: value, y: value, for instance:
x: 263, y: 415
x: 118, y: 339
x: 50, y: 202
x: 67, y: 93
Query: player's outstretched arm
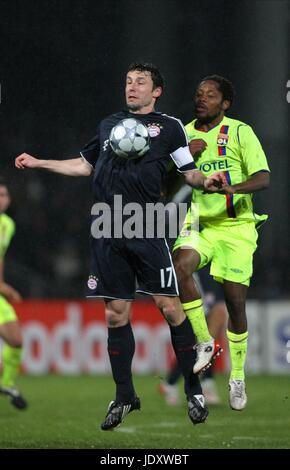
x: 196, y: 179
x: 73, y: 167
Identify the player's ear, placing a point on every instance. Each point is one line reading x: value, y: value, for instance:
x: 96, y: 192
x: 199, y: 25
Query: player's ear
x: 225, y: 105
x: 157, y: 92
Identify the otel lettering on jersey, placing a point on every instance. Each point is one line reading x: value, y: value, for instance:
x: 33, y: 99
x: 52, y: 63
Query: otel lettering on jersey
x: 214, y: 166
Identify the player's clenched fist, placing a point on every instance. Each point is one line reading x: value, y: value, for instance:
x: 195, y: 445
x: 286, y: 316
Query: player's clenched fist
x: 216, y: 182
x: 26, y: 161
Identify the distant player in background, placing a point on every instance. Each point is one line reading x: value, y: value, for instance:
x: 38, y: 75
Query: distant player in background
x: 216, y: 317
x: 228, y: 238
x: 10, y: 331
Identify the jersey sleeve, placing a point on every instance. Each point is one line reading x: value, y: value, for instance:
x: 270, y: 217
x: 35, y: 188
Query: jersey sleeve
x: 253, y: 154
x: 179, y: 150
x: 91, y: 150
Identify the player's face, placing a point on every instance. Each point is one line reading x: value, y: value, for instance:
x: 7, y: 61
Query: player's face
x: 140, y: 92
x: 4, y: 199
x: 209, y: 103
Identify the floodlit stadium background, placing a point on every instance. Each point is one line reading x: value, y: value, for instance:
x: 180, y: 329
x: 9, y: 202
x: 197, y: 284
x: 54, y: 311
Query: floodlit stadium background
x: 62, y: 70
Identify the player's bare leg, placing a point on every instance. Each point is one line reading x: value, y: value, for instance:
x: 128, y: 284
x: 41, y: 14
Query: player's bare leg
x: 186, y: 262
x: 10, y: 332
x: 217, y: 319
x: 235, y: 297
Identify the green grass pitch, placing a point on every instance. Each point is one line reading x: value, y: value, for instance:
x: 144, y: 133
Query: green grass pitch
x: 65, y: 412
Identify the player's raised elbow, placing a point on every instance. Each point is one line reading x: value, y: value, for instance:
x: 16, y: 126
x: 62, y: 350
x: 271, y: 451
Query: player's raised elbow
x: 267, y: 182
x: 87, y: 170
x: 84, y: 167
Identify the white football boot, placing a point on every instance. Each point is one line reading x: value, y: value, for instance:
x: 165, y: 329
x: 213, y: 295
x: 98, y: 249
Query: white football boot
x: 238, y: 397
x: 205, y: 354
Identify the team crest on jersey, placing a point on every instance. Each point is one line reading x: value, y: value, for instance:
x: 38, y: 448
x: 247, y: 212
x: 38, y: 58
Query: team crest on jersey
x: 154, y: 129
x: 92, y: 282
x: 105, y: 144
x: 222, y: 139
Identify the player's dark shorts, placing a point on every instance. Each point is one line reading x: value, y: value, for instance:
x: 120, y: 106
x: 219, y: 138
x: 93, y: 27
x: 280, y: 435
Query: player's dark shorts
x: 119, y: 264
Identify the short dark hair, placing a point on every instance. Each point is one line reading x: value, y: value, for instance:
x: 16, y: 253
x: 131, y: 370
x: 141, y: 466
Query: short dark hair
x: 225, y: 87
x: 157, y: 78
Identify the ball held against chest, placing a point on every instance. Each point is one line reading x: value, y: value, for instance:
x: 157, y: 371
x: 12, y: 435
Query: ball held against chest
x: 130, y: 138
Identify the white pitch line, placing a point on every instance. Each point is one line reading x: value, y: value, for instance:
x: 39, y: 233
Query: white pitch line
x: 256, y: 438
x: 252, y: 422
x: 127, y: 430
x: 164, y: 425
x: 134, y: 430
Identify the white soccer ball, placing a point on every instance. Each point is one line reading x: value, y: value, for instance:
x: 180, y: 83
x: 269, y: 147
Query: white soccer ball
x: 130, y: 138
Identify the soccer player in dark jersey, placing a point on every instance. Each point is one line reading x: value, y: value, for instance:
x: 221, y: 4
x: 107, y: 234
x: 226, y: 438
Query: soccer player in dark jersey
x: 117, y: 262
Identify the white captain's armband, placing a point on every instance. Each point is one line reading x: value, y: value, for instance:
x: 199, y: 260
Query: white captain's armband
x: 183, y: 159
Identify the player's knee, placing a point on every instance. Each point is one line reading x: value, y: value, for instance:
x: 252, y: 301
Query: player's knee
x: 236, y: 305
x: 182, y: 268
x: 115, y: 317
x: 170, y: 315
x: 168, y: 310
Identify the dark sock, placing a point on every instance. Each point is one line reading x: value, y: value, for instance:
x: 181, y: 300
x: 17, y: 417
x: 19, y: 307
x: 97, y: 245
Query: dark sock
x: 174, y: 374
x: 121, y: 348
x: 183, y: 341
